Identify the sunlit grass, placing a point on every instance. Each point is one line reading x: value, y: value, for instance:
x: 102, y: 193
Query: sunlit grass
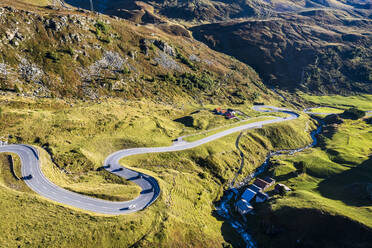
x: 363, y: 102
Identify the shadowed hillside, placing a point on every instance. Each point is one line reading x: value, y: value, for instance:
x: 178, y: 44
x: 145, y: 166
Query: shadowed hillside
x: 316, y: 51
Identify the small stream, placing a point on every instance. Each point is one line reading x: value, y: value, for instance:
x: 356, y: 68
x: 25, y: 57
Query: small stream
x: 224, y: 206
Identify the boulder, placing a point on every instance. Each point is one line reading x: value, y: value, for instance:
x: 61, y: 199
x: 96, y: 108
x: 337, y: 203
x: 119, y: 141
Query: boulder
x: 165, y: 47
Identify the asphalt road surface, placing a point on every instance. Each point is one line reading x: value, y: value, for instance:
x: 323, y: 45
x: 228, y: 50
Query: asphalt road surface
x: 150, y: 188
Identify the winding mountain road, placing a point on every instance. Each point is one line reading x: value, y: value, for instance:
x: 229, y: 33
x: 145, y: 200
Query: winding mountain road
x: 150, y: 188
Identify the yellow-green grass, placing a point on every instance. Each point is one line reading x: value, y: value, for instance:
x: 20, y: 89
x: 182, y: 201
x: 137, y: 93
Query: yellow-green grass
x: 6, y: 176
x: 181, y: 216
x: 333, y: 183
x: 221, y: 159
x: 180, y: 220
x: 363, y: 102
x: 100, y: 184
x: 37, y: 2
x: 205, y: 119
x: 327, y: 110
x: 217, y: 130
x: 17, y: 166
x: 80, y: 136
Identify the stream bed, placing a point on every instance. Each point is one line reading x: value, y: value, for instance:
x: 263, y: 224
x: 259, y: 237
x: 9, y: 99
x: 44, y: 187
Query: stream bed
x: 224, y: 207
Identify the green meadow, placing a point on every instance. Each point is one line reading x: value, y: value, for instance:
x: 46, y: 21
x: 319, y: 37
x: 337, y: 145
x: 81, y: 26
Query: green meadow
x: 74, y: 138
x: 330, y: 184
x: 363, y: 102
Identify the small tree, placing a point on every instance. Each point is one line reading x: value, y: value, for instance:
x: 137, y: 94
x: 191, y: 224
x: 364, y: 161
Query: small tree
x: 301, y: 167
x: 353, y: 113
x: 101, y: 27
x: 282, y: 191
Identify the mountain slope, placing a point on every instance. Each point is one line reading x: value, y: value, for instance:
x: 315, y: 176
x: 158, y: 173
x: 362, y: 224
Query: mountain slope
x: 314, y: 46
x: 67, y: 53
x: 315, y: 51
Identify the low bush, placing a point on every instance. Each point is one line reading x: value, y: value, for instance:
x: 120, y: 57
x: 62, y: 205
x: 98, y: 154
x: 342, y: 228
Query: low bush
x: 353, y: 113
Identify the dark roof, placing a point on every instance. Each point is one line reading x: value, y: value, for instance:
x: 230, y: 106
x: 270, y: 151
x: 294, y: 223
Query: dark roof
x: 254, y: 188
x: 262, y: 195
x: 269, y: 180
x: 243, y: 206
x: 261, y: 183
x: 248, y: 195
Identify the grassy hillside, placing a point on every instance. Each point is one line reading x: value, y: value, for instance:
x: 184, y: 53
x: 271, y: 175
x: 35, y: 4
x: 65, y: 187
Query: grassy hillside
x: 331, y: 193
x: 363, y: 102
x: 80, y: 85
x: 79, y: 135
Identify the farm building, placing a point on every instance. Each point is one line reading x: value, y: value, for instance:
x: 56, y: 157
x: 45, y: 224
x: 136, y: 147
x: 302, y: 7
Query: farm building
x: 228, y: 113
x: 254, y: 188
x: 262, y: 196
x: 269, y: 180
x: 243, y: 207
x: 261, y: 183
x: 248, y: 195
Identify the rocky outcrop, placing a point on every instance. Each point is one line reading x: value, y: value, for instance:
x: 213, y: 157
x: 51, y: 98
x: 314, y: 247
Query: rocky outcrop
x: 29, y: 71
x: 167, y: 62
x: 165, y: 47
x: 146, y: 45
x: 70, y: 53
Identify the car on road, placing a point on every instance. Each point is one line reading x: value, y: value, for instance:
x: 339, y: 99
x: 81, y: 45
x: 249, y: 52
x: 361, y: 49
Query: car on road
x: 132, y: 206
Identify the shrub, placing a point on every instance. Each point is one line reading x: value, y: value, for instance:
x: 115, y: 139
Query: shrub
x: 255, y: 96
x: 200, y: 123
x: 301, y: 166
x: 353, y: 113
x: 186, y: 61
x: 125, y: 70
x: 191, y: 81
x: 101, y: 27
x: 17, y: 89
x: 168, y: 78
x: 101, y: 32
x: 104, y: 39
x: 69, y: 50
x: 52, y: 55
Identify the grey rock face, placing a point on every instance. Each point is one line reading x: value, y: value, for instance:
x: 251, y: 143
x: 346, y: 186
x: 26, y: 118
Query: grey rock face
x: 194, y: 58
x: 3, y: 70
x: 30, y: 72
x: 166, y: 61
x: 56, y: 24
x: 109, y: 61
x: 165, y: 47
